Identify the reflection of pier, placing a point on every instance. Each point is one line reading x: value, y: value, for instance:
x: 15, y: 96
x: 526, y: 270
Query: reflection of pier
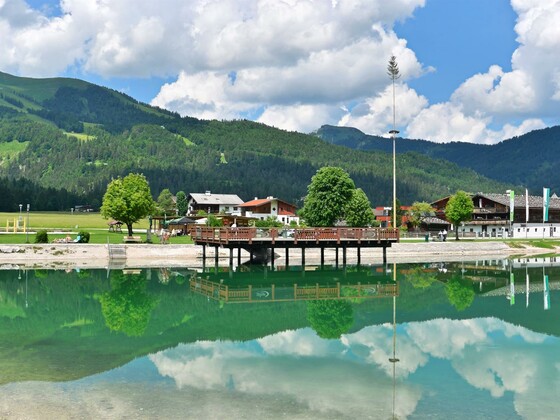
x: 258, y: 242
x: 295, y: 292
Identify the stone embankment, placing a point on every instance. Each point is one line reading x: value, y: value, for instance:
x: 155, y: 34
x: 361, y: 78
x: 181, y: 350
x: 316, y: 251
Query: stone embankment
x: 147, y: 255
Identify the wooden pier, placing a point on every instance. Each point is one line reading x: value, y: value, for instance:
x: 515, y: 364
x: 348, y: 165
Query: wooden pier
x: 258, y: 241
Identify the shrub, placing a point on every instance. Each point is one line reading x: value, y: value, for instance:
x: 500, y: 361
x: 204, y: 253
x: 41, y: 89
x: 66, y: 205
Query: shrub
x: 42, y: 237
x: 84, y: 237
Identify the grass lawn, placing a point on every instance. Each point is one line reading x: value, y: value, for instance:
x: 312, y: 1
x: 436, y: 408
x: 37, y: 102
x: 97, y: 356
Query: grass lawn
x: 72, y: 223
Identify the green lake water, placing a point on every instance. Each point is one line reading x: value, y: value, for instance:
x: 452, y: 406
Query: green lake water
x: 454, y: 340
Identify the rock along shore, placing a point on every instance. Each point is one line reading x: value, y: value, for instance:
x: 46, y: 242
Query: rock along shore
x: 151, y: 255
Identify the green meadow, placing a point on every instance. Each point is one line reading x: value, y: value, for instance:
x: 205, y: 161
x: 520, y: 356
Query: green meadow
x: 60, y: 224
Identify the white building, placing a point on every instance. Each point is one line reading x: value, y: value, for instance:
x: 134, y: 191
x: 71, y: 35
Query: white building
x: 264, y: 208
x: 214, y: 203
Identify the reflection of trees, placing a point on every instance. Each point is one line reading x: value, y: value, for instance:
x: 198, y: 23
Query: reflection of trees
x: 330, y: 318
x: 127, y: 307
x: 460, y: 294
x: 420, y: 278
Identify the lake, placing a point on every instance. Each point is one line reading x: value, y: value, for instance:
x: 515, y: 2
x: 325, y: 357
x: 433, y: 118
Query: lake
x: 467, y: 339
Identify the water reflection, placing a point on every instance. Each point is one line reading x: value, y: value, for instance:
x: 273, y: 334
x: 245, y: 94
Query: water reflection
x: 144, y: 344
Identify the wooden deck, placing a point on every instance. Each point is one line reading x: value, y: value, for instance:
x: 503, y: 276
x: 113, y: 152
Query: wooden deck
x: 295, y: 238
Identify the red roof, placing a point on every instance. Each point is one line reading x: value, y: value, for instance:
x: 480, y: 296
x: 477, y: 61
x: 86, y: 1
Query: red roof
x: 257, y: 202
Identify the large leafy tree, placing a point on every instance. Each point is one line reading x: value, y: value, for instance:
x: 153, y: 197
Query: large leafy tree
x: 182, y: 203
x: 358, y: 210
x: 128, y: 200
x: 328, y: 194
x: 418, y: 212
x: 459, y: 209
x: 165, y: 203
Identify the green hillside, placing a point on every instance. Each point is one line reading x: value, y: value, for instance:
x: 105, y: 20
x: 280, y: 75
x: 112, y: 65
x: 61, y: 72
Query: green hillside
x: 531, y: 160
x: 115, y: 135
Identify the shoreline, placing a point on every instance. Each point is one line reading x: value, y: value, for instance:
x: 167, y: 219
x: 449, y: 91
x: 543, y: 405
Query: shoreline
x: 60, y: 256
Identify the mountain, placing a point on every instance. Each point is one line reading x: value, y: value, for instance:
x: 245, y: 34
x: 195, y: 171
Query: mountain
x: 531, y: 160
x: 74, y: 136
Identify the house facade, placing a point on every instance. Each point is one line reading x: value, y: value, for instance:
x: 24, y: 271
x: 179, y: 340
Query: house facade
x: 491, y: 216
x: 263, y: 208
x: 214, y: 203
x: 384, y: 216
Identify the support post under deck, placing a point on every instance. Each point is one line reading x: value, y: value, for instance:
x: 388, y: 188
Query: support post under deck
x: 287, y: 257
x: 384, y: 255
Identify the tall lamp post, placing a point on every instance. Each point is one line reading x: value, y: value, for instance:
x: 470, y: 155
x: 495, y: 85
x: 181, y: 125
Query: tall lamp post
x: 394, y: 74
x: 393, y: 135
x: 27, y: 227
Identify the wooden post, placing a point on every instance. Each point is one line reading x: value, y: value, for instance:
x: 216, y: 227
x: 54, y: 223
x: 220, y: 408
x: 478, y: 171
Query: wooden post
x: 230, y: 257
x: 287, y: 256
x: 216, y: 255
x: 384, y: 255
x: 273, y: 288
x: 303, y: 258
x: 336, y: 257
x: 322, y: 257
x: 272, y: 258
x: 239, y: 256
x: 344, y: 255
x: 359, y: 255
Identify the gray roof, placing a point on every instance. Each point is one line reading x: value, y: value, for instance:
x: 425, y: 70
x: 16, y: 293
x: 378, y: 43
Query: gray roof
x: 216, y: 199
x: 434, y: 221
x: 535, y: 201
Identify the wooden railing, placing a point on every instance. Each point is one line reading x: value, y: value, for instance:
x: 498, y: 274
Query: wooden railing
x: 248, y: 234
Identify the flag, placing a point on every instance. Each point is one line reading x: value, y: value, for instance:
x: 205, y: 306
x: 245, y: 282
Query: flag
x: 526, y: 205
x: 511, y: 204
x: 546, y: 203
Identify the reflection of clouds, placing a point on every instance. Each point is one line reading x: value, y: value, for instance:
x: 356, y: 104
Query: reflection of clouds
x: 295, y: 374
x: 498, y: 370
x: 330, y: 375
x: 375, y: 345
x: 303, y: 342
x: 332, y: 380
x: 444, y: 338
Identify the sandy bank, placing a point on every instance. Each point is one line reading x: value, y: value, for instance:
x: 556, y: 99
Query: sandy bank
x: 148, y: 255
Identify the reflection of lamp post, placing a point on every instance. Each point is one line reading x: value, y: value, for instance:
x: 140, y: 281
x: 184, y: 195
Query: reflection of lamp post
x: 26, y: 305
x: 394, y: 359
x: 27, y: 227
x: 149, y: 233
x: 20, y: 218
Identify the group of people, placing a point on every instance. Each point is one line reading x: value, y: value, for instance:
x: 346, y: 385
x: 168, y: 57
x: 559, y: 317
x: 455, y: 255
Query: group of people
x: 442, y: 234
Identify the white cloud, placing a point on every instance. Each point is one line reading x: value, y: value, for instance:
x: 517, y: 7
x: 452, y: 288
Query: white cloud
x: 295, y: 64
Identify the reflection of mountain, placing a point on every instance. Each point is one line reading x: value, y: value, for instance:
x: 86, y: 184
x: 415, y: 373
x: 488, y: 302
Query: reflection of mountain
x: 63, y: 334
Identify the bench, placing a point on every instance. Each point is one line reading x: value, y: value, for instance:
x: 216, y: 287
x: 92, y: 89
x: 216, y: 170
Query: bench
x: 132, y: 239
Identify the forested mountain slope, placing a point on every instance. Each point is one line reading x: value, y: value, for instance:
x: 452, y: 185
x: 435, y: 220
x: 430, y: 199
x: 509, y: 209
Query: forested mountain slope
x: 72, y: 135
x: 531, y: 160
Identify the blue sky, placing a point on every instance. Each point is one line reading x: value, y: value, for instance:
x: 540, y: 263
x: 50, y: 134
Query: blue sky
x: 472, y: 70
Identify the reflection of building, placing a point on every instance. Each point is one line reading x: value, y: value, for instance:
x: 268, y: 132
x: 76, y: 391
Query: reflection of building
x: 295, y: 292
